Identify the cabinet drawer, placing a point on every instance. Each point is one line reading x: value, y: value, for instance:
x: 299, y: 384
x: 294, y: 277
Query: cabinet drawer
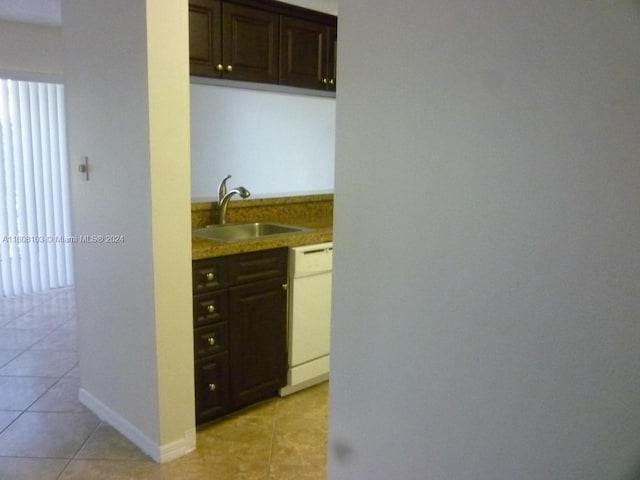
x: 209, y: 308
x: 209, y: 274
x: 210, y: 340
x: 255, y: 266
x: 212, y: 387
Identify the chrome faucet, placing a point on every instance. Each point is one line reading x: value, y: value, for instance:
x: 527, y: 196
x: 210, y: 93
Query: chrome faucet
x: 224, y: 197
x: 222, y: 188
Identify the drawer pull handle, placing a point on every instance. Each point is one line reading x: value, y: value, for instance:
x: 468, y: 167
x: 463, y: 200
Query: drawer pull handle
x: 211, y: 308
x: 210, y: 276
x: 212, y: 387
x: 211, y: 341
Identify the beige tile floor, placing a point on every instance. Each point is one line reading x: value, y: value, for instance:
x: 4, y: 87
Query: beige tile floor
x: 46, y: 434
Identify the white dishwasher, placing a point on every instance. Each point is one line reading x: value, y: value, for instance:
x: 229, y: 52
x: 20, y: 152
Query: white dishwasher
x: 309, y: 315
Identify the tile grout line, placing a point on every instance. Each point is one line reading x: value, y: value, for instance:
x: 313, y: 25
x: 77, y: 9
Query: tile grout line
x: 273, y: 437
x: 65, y: 468
x: 75, y: 455
x: 11, y: 359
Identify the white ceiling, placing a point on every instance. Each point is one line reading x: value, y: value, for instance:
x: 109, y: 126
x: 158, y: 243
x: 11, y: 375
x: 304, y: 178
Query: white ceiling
x: 43, y: 12
x: 47, y: 12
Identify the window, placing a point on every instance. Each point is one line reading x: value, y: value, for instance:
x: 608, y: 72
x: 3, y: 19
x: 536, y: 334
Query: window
x: 35, y: 226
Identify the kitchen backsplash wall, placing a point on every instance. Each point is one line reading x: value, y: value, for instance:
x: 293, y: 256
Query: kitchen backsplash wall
x: 272, y: 143
x: 309, y: 210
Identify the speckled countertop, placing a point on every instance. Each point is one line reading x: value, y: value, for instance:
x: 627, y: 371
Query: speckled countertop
x: 313, y: 211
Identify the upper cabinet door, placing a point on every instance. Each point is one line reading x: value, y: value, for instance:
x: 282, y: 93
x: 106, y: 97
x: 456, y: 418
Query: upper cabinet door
x: 205, y: 34
x: 332, y: 58
x: 307, y: 53
x: 250, y: 43
x: 302, y: 53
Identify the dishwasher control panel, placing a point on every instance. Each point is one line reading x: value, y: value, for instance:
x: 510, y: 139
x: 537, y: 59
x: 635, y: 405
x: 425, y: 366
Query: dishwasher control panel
x: 311, y: 259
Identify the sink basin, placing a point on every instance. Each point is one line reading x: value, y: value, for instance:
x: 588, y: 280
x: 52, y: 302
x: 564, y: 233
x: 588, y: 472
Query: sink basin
x: 246, y: 231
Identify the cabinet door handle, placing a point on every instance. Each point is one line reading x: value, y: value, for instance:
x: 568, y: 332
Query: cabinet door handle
x: 211, y: 340
x: 285, y: 286
x: 219, y: 67
x: 229, y: 68
x: 210, y: 276
x: 324, y: 80
x: 211, y: 308
x: 212, y: 387
x: 332, y: 81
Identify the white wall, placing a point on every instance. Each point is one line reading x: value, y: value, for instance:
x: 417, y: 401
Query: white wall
x: 487, y: 264
x: 327, y: 6
x: 272, y: 143
x: 30, y: 51
x: 126, y: 78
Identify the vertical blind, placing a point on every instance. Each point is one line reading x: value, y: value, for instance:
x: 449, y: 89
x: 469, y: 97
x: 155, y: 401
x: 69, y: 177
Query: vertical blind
x: 35, y: 253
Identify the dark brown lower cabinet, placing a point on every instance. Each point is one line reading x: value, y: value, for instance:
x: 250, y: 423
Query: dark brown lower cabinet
x: 240, y: 332
x: 258, y: 341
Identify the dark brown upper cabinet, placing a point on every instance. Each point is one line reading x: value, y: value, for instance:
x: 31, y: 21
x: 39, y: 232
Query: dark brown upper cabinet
x: 249, y: 44
x: 262, y: 41
x: 233, y: 41
x: 205, y: 37
x: 307, y: 53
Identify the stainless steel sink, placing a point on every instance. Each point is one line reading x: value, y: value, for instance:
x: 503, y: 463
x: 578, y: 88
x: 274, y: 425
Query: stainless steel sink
x: 246, y: 231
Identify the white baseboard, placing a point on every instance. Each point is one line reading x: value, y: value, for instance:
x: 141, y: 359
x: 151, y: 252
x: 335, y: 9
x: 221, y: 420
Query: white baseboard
x: 178, y: 448
x: 159, y: 453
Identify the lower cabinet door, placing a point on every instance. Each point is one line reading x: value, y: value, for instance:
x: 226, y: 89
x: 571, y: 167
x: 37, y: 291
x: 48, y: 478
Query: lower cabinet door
x: 212, y: 387
x: 258, y: 340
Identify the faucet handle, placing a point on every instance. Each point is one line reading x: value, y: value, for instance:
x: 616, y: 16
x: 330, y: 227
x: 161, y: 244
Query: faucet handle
x: 222, y: 188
